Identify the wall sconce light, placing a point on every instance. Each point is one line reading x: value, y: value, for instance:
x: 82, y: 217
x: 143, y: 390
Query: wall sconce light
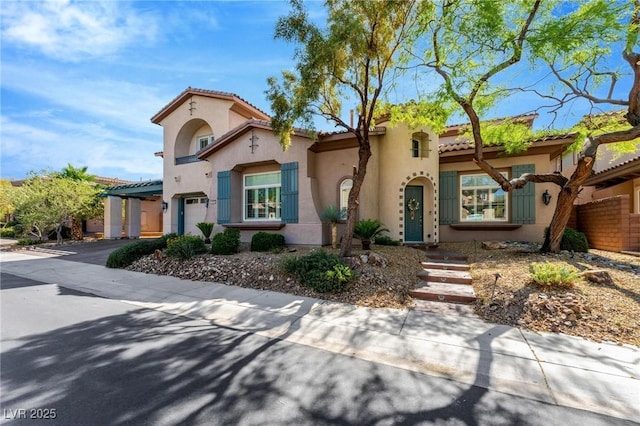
x: 177, y: 178
x: 546, y: 197
x: 164, y: 206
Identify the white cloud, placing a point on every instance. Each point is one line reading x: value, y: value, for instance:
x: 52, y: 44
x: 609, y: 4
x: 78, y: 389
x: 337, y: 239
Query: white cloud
x: 58, y: 142
x: 71, y: 31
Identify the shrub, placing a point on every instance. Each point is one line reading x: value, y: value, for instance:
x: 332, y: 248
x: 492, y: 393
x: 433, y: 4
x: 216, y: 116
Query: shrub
x: 571, y: 240
x: 385, y: 240
x: 129, y: 253
x: 320, y: 270
x: 7, y: 232
x: 264, y: 241
x: 206, y: 228
x: 549, y: 274
x: 29, y: 241
x: 185, y: 247
x: 226, y: 242
x: 366, y: 230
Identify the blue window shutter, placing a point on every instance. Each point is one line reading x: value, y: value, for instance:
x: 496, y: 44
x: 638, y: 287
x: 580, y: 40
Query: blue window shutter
x: 448, y: 197
x: 289, y: 192
x: 224, y: 197
x: 524, y: 200
x: 180, y: 216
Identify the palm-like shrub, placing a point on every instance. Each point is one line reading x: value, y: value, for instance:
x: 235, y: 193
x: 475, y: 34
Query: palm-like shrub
x: 206, y: 228
x: 332, y: 215
x: 366, y: 230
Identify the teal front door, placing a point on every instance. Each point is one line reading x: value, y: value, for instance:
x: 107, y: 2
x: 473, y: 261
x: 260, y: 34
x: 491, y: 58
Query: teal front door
x: 413, y: 208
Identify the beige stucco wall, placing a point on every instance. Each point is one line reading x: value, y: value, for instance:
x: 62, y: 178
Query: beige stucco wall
x: 268, y: 156
x: 527, y: 232
x: 397, y: 169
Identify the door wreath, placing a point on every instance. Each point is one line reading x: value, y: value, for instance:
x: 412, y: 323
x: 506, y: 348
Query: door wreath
x: 413, y: 206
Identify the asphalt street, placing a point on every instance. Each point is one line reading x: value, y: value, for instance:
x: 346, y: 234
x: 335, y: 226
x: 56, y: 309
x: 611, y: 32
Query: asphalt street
x: 86, y: 360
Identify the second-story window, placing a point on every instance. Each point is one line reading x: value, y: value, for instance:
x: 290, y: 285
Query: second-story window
x: 204, y: 141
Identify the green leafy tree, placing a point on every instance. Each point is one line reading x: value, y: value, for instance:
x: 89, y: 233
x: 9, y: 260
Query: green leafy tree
x: 353, y: 58
x: 470, y: 44
x: 46, y: 201
x: 6, y: 202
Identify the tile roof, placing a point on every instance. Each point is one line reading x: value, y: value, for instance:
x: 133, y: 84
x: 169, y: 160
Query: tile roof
x: 142, y: 184
x: 465, y: 144
x: 190, y: 91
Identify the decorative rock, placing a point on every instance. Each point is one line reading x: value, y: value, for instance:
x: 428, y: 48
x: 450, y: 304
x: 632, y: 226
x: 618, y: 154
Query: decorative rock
x: 377, y: 260
x: 494, y: 245
x: 598, y: 276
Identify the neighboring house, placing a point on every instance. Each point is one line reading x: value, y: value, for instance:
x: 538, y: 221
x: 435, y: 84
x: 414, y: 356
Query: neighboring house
x: 223, y: 164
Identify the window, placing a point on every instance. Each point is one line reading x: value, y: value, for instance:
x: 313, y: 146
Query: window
x: 482, y: 199
x: 345, y: 189
x: 204, y: 141
x: 262, y: 196
x: 420, y: 145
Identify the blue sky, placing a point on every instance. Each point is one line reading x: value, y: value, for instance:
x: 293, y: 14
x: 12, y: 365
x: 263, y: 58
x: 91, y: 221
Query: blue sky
x: 80, y: 80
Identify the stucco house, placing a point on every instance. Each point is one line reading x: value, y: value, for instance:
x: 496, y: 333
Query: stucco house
x: 223, y: 164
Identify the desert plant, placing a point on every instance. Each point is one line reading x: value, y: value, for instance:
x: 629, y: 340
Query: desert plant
x: 226, y: 242
x: 548, y: 274
x: 185, y: 247
x: 366, y: 230
x: 332, y: 215
x: 320, y: 270
x: 206, y: 228
x: 572, y: 240
x: 29, y: 241
x: 265, y: 241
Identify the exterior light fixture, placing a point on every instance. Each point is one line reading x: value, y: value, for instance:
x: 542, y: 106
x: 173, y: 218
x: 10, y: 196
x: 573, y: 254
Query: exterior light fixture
x: 546, y: 197
x: 165, y: 206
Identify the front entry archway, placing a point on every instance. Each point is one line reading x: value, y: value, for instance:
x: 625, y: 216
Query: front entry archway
x: 413, y: 213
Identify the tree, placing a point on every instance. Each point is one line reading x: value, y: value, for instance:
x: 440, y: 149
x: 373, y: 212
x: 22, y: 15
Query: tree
x: 6, y: 199
x: 354, y: 58
x: 46, y: 201
x: 79, y: 174
x: 471, y: 43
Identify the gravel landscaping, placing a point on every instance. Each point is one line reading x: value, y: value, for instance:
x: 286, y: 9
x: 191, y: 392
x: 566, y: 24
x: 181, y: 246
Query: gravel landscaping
x: 594, y: 310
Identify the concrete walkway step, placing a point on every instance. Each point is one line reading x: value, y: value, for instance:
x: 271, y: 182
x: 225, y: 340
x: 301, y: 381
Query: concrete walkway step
x: 450, y: 293
x: 444, y: 276
x: 443, y: 308
x: 452, y: 265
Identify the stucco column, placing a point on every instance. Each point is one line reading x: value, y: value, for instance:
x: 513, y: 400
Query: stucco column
x: 132, y: 217
x: 112, y: 218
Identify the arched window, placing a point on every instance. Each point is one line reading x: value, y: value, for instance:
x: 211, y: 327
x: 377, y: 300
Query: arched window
x: 345, y: 188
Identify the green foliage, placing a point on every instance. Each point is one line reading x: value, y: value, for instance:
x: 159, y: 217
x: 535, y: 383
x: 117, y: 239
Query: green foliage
x: 206, y: 228
x: 7, y: 232
x: 368, y: 229
x: 29, y: 241
x: 44, y: 202
x: 6, y: 198
x: 320, y: 270
x: 548, y: 274
x: 572, y: 240
x: 129, y: 253
x: 264, y: 241
x: 385, y: 240
x: 185, y: 247
x: 226, y: 242
x: 76, y: 173
x: 331, y: 214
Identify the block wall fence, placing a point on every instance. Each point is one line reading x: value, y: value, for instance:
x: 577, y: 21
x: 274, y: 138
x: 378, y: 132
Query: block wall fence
x: 608, y: 224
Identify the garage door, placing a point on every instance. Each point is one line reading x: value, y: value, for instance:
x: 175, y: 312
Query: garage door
x: 195, y: 210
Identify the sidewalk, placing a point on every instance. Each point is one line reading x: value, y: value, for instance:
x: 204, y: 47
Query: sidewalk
x: 554, y: 368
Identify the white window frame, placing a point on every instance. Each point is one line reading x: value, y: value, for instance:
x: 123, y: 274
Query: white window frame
x: 345, y: 189
x: 276, y: 214
x: 488, y: 214
x: 204, y: 141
